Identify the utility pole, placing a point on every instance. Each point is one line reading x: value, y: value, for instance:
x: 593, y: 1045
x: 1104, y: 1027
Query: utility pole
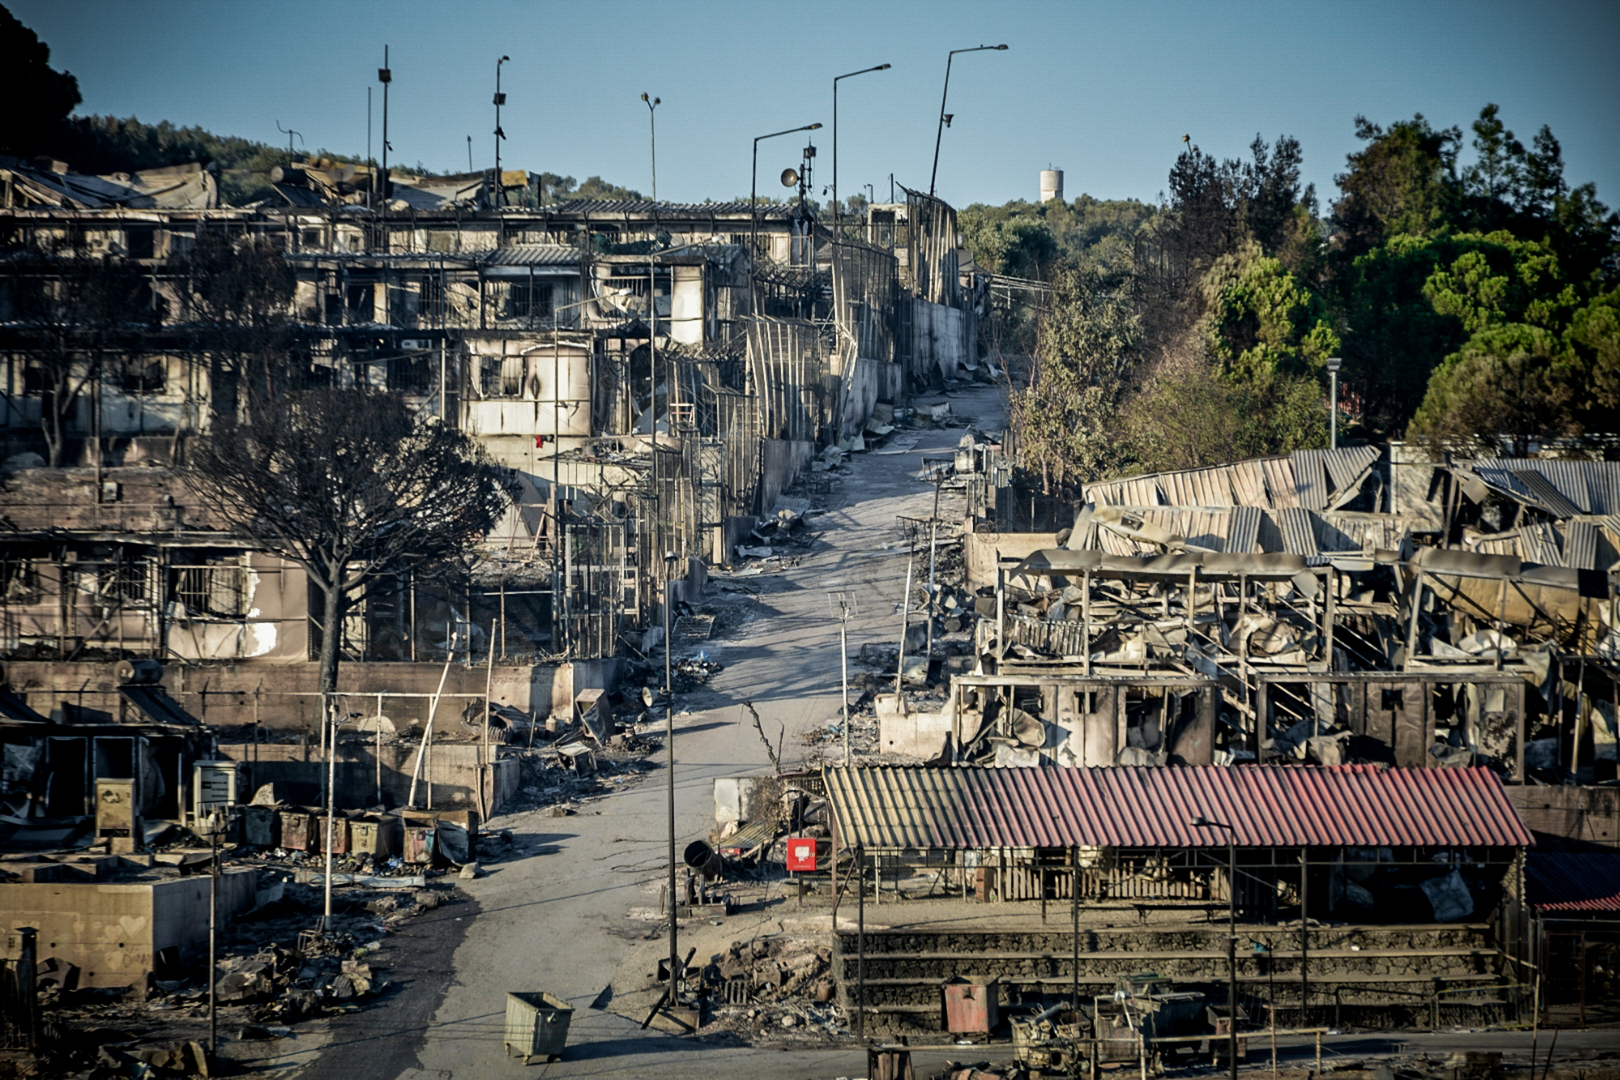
x: 846, y: 608
x: 500, y: 99
x: 385, y: 75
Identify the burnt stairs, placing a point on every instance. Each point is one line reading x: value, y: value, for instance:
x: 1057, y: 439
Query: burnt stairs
x: 1410, y: 976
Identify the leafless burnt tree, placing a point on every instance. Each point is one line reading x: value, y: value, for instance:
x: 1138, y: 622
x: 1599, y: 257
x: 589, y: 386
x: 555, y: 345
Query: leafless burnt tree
x: 350, y: 485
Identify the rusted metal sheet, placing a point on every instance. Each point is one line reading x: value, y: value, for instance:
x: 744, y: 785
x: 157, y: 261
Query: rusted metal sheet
x: 1565, y: 881
x: 970, y: 1007
x: 899, y: 808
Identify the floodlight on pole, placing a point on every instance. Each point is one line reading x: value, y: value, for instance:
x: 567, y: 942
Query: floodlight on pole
x: 944, y: 120
x: 500, y: 99
x: 852, y: 74
x: 753, y: 186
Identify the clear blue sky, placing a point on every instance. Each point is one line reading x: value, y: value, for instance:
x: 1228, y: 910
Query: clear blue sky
x: 1103, y: 91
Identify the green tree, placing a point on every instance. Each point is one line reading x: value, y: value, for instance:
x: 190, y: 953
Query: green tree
x: 1505, y: 386
x: 1404, y: 181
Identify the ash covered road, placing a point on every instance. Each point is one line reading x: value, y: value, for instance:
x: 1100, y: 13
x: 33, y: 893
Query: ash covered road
x: 558, y: 921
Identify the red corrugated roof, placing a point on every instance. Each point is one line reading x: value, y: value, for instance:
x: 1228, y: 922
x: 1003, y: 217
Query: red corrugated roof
x: 890, y: 807
x: 1560, y: 881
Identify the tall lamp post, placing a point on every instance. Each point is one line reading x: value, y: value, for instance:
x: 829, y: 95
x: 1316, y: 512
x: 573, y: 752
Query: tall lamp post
x: 753, y: 187
x: 500, y: 99
x: 1201, y: 822
x: 942, y: 117
x: 652, y: 304
x: 669, y: 748
x: 863, y: 71
x: 1333, y: 365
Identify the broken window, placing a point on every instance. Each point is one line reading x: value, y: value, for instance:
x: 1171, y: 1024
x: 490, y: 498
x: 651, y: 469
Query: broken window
x: 529, y: 301
x: 138, y: 376
x: 212, y: 586
x: 311, y: 239
x: 20, y: 580
x: 141, y: 240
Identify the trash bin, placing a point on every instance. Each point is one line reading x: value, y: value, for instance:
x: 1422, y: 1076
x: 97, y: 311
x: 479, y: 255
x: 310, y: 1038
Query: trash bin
x: 536, y: 1025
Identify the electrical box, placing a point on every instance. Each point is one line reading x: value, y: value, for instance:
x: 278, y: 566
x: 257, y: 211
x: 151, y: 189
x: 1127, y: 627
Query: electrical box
x: 116, y: 811
x: 214, y: 786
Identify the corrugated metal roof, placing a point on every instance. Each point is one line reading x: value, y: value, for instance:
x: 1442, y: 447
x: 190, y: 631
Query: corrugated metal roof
x: 1565, y: 881
x: 1243, y: 531
x: 920, y: 808
x: 533, y: 255
x: 1545, y: 492
x: 1346, y: 464
x: 1297, y: 527
x: 635, y: 207
x: 1310, y: 478
x: 1538, y: 543
x: 1280, y: 481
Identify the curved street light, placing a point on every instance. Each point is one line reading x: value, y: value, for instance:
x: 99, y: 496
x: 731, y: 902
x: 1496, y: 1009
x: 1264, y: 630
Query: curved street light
x: 753, y: 187
x: 943, y: 119
x: 863, y: 71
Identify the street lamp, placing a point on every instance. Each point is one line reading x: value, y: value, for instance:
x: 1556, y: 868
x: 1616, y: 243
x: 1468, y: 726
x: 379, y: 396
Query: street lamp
x: 669, y: 746
x: 1333, y: 365
x: 863, y: 71
x: 652, y: 294
x: 500, y: 99
x: 753, y: 187
x: 943, y: 120
x: 1201, y: 822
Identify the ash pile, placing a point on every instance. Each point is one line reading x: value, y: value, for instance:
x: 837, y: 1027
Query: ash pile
x: 771, y: 988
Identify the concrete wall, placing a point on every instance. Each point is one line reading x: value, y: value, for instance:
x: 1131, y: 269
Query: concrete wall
x: 297, y: 772
x: 113, y: 932
x: 979, y: 552
x: 1577, y: 815
x: 918, y: 734
x: 779, y: 463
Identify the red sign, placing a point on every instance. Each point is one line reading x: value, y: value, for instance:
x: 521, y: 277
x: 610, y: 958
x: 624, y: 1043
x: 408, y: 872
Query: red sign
x: 801, y: 854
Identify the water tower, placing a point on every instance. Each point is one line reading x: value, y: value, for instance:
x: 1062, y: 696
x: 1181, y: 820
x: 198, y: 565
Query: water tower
x: 1051, y: 185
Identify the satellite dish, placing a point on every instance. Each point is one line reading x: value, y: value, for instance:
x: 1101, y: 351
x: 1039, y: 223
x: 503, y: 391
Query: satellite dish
x: 789, y: 177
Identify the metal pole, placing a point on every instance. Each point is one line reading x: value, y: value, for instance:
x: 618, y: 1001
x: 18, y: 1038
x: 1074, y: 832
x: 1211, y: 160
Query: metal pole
x: 331, y: 808
x: 860, y: 955
x: 863, y: 71
x: 843, y: 689
x: 669, y: 743
x: 213, y: 944
x: 1231, y: 948
x: 905, y: 619
x: 939, y: 131
x: 943, y: 94
x: 1074, y: 931
x: 500, y: 99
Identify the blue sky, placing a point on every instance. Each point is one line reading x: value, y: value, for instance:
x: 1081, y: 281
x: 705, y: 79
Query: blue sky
x: 1103, y: 91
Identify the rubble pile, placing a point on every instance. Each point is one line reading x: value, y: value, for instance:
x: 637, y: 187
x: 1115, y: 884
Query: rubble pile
x: 773, y: 987
x: 784, y: 533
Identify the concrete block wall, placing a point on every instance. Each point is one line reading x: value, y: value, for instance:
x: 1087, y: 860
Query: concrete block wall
x: 113, y: 931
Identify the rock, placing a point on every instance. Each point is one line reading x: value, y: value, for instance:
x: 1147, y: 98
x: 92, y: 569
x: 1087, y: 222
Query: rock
x: 470, y: 871
x: 790, y: 1021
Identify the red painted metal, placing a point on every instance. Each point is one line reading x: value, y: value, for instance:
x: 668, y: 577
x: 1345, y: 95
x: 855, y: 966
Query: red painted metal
x: 1563, y: 881
x: 911, y: 808
x: 970, y: 1008
x: 801, y: 854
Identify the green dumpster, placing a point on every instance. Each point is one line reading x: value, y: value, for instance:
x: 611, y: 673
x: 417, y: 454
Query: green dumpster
x: 536, y: 1025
